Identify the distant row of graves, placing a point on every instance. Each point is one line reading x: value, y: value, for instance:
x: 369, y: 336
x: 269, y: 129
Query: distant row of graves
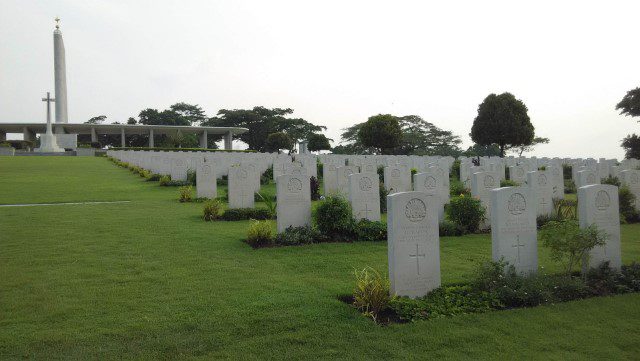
x: 415, y: 203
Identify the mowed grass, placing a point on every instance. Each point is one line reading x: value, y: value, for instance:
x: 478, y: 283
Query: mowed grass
x: 150, y: 280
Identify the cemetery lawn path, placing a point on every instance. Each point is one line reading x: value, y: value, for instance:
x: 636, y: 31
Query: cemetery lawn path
x: 150, y: 280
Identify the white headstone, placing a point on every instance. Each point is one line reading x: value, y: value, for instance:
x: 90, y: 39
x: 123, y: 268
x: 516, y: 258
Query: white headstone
x: 430, y: 183
x: 342, y: 179
x: 206, y: 186
x: 598, y: 204
x: 541, y: 184
x: 481, y: 185
x: 364, y: 195
x: 294, y: 201
x: 513, y: 228
x: 413, y: 243
x: 397, y: 178
x: 241, y: 187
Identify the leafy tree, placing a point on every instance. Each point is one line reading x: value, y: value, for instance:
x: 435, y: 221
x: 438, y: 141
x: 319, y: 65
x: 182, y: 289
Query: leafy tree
x: 261, y: 121
x: 482, y: 151
x: 630, y: 103
x: 382, y: 131
x: 166, y: 117
x: 502, y: 120
x: 132, y: 120
x: 631, y: 146
x: 528, y: 148
x: 96, y: 120
x: 191, y: 113
x: 279, y: 140
x: 421, y: 137
x: 318, y: 142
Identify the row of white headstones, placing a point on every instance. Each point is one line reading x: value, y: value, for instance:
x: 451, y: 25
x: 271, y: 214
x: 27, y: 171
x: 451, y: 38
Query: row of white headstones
x: 413, y: 216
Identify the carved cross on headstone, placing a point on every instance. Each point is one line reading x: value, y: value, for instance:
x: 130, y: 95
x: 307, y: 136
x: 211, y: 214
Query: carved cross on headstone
x: 366, y: 211
x: 417, y: 256
x: 517, y: 246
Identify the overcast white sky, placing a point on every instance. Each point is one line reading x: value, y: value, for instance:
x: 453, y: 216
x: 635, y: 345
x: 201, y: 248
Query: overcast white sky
x: 334, y: 62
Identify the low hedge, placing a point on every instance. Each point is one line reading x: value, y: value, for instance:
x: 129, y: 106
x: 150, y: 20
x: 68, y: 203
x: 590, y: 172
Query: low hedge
x: 243, y: 214
x: 157, y: 149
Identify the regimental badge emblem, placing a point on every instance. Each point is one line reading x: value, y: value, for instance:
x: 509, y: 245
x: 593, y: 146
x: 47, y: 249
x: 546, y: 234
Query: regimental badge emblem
x: 516, y: 204
x: 395, y: 173
x: 365, y: 184
x: 243, y: 174
x: 591, y: 178
x: 415, y: 210
x: 603, y: 200
x: 489, y: 181
x: 294, y: 185
x: 542, y: 180
x: 430, y: 182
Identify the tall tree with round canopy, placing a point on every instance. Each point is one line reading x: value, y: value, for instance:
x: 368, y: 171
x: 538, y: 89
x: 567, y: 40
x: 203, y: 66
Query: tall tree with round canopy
x: 502, y: 120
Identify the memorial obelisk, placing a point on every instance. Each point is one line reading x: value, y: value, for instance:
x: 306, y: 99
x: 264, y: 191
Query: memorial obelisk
x: 60, y: 74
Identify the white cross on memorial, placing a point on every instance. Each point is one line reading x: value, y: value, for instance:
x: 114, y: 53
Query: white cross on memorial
x: 366, y: 211
x: 517, y: 246
x: 417, y: 256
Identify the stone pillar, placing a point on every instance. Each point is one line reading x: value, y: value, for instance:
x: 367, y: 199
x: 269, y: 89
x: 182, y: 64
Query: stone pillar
x: 94, y: 135
x: 151, y: 143
x: 228, y: 140
x: 203, y: 139
x: 60, y: 75
x: 28, y: 134
x: 3, y: 136
x: 122, y: 138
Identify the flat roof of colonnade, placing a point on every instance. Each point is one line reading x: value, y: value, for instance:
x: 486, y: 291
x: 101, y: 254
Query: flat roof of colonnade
x: 82, y: 128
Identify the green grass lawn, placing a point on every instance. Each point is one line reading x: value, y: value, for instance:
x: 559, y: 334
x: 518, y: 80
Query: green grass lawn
x: 150, y: 280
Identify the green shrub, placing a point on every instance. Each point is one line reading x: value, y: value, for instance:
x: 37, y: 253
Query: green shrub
x: 333, y: 218
x: 315, y: 188
x: 185, y: 194
x: 630, y: 276
x: 567, y: 170
x: 266, y: 176
x: 145, y: 174
x: 467, y: 212
x: 383, y: 192
x: 319, y: 169
x: 371, y: 292
x: 165, y: 180
x: 569, y: 243
x: 565, y: 209
x: 508, y: 183
x: 508, y: 287
x: 222, y: 181
x: 269, y: 202
x: 455, y: 170
x: 611, y: 180
x: 294, y: 236
x: 450, y: 229
x: 457, y: 188
x: 260, y: 234
x: 212, y: 210
x: 191, y: 178
x: 626, y: 201
x: 569, y: 186
x: 243, y: 214
x: 370, y: 231
x: 442, y: 302
x: 565, y: 288
x: 5, y: 144
x: 154, y: 177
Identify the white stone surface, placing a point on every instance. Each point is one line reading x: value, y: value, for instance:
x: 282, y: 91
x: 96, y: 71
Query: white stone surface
x: 413, y: 243
x: 294, y: 201
x: 342, y: 179
x: 513, y: 227
x: 178, y: 169
x: 598, y: 204
x: 364, y: 196
x: 481, y: 185
x: 241, y: 187
x: 631, y: 179
x: 540, y: 182
x: 206, y: 184
x: 397, y: 178
x: 430, y: 183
